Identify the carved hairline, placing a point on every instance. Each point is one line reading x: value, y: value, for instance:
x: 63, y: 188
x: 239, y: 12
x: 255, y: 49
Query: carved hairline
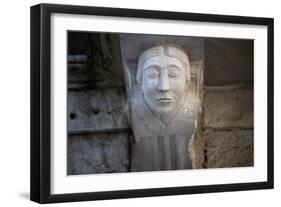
x: 143, y: 57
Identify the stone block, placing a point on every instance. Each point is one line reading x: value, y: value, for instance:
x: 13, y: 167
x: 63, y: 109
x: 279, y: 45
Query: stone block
x: 96, y: 110
x: 94, y: 61
x: 97, y: 153
x: 228, y: 61
x: 228, y: 108
x: 229, y: 148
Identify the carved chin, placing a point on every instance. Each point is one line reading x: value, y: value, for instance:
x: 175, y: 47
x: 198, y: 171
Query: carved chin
x: 160, y: 107
x: 163, y: 110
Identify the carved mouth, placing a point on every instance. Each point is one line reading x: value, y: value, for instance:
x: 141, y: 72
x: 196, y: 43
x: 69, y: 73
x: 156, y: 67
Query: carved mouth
x: 164, y: 100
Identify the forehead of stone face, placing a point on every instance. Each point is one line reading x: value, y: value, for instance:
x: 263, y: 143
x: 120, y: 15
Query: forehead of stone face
x: 170, y: 51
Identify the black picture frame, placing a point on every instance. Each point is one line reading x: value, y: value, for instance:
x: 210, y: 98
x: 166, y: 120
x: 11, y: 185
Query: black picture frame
x: 41, y: 99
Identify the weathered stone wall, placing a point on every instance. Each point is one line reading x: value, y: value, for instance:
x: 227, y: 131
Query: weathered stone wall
x: 228, y: 126
x: 98, y: 153
x: 228, y: 103
x: 98, y: 140
x: 99, y: 136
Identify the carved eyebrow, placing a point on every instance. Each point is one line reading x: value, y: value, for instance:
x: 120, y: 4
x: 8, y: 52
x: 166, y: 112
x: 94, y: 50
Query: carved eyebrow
x: 152, y: 66
x: 176, y: 66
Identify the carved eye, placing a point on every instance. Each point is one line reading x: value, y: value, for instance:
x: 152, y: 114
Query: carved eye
x: 174, y: 71
x: 153, y: 72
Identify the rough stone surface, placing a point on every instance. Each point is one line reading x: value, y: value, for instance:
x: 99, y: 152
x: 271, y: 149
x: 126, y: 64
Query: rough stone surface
x: 96, y: 110
x: 229, y: 148
x: 97, y: 153
x: 228, y: 108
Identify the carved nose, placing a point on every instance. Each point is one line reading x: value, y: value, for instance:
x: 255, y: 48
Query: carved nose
x: 164, y: 82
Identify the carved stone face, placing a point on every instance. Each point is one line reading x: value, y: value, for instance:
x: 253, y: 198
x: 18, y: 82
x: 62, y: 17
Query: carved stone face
x: 164, y: 80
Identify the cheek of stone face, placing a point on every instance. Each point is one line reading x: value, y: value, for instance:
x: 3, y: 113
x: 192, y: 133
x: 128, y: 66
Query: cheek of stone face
x: 177, y: 87
x: 150, y: 89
